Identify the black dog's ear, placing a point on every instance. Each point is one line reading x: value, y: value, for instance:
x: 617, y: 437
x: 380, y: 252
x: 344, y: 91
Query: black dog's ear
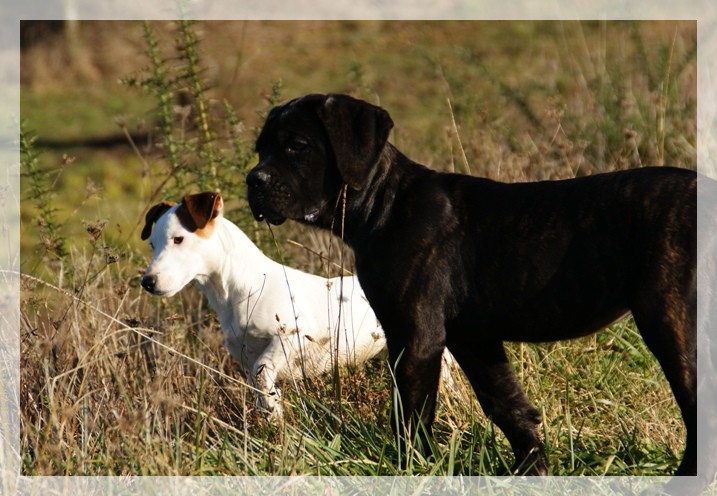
x: 153, y: 214
x: 358, y: 132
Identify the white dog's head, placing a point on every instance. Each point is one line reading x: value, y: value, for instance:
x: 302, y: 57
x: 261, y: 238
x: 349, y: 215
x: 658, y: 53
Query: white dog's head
x: 181, y: 241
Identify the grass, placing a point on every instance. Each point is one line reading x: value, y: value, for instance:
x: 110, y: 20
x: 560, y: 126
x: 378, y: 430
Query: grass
x: 109, y: 395
x: 95, y: 118
x: 117, y: 382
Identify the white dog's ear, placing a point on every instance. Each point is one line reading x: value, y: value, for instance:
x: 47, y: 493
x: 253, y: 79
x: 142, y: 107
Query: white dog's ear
x: 358, y: 132
x: 200, y: 209
x: 153, y: 214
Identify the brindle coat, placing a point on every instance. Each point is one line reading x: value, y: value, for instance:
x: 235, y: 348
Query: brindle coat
x: 468, y: 263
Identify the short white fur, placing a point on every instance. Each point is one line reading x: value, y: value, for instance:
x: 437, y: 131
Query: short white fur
x: 278, y: 323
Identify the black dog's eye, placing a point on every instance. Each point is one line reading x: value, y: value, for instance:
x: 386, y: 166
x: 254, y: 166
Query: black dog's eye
x: 297, y: 145
x: 178, y: 239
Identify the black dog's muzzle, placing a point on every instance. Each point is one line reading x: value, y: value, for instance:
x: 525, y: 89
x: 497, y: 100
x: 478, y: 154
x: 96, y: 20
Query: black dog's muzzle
x: 258, y: 187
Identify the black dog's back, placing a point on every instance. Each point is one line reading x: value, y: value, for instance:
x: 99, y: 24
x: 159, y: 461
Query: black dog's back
x: 591, y: 256
x: 542, y: 261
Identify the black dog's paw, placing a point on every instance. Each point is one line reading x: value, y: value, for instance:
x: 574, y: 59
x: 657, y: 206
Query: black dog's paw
x: 534, y: 464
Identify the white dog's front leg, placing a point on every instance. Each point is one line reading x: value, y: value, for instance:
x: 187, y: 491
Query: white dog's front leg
x: 264, y: 378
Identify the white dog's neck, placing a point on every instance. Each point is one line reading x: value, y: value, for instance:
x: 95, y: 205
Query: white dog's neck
x: 238, y: 271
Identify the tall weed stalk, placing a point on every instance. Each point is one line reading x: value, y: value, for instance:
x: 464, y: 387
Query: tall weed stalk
x: 40, y: 193
x: 201, y: 143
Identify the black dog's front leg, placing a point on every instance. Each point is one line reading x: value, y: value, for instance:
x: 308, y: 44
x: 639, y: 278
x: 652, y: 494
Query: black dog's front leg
x: 417, y: 368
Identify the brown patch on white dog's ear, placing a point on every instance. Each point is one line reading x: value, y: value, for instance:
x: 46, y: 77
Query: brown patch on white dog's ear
x: 153, y: 214
x: 197, y: 212
x: 358, y: 132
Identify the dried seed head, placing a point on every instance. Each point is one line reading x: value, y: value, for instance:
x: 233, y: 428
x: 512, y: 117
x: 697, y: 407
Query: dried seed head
x: 94, y: 229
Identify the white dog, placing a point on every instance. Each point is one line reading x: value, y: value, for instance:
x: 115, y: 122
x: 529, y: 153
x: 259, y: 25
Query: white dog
x: 278, y: 323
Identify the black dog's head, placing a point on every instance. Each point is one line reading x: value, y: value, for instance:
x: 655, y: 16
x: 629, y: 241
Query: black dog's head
x: 308, y: 149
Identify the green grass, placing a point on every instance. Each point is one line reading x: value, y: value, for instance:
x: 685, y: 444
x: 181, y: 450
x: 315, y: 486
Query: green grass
x: 82, y: 113
x: 116, y: 382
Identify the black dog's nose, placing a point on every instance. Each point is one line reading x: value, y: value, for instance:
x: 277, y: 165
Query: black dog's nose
x: 257, y: 178
x: 149, y: 282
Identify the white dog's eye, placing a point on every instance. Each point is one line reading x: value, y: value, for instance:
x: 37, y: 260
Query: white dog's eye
x: 178, y: 239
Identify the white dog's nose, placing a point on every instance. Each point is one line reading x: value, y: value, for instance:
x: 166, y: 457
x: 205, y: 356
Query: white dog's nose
x: 149, y: 283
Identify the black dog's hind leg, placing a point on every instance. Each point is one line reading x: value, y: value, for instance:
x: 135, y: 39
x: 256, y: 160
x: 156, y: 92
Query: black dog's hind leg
x: 503, y: 401
x: 673, y: 342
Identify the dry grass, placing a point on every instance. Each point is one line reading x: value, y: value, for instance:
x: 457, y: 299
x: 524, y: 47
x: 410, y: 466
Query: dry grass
x: 121, y: 383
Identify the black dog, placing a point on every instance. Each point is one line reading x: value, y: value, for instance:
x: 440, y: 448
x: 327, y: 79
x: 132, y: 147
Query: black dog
x: 465, y: 262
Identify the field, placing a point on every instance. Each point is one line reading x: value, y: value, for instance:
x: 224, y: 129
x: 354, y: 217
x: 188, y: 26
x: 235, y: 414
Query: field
x: 119, y: 115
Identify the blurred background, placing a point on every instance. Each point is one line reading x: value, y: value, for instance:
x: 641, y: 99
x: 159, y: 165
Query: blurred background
x: 506, y: 100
